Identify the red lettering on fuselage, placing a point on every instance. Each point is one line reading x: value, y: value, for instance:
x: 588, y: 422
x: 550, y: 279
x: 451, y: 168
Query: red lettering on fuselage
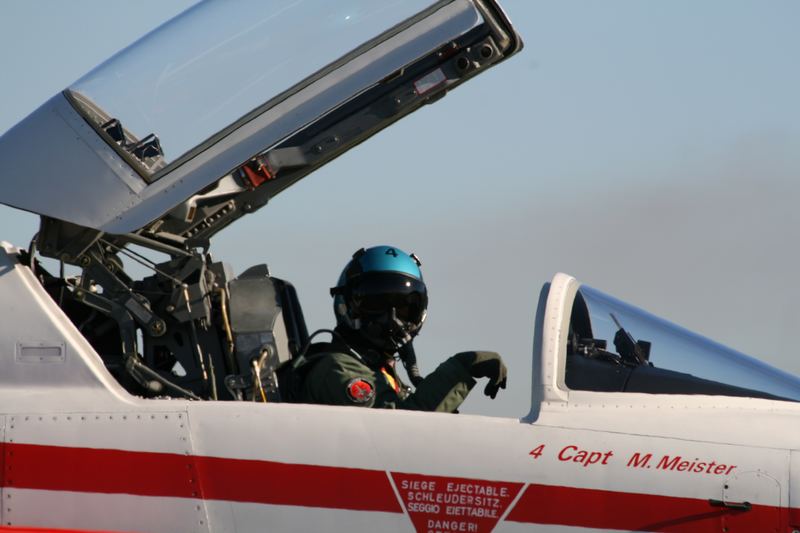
x: 638, y: 460
x: 696, y: 466
x: 586, y: 458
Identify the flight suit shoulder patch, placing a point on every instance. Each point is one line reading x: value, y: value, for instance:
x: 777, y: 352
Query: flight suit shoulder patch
x: 360, y: 390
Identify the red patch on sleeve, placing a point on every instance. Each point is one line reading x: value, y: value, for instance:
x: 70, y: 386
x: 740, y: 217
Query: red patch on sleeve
x: 360, y: 391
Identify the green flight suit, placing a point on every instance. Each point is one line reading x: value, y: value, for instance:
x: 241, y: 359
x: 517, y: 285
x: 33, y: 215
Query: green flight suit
x: 330, y: 380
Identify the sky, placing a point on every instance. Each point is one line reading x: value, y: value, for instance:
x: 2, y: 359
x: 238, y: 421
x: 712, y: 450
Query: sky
x: 648, y: 149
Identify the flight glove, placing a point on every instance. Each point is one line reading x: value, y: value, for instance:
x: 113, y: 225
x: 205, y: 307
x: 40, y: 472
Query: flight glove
x: 485, y: 365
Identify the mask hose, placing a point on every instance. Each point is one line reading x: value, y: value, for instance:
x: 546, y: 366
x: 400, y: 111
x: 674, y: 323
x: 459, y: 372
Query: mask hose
x: 409, y: 358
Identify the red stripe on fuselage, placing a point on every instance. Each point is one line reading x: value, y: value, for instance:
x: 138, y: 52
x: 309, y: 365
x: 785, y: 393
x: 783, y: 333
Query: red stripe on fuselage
x: 32, y: 466
x: 294, y: 484
x: 602, y: 509
x: 91, y: 470
x: 39, y: 467
x: 9, y: 529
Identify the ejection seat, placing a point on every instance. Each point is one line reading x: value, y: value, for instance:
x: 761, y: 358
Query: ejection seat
x: 268, y: 329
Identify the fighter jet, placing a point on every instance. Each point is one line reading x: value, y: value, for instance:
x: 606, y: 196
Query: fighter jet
x: 156, y: 402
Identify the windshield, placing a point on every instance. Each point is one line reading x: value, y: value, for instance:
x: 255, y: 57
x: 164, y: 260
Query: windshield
x: 204, y: 70
x: 614, y: 346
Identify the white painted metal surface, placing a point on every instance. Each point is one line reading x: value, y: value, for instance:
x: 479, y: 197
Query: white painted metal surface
x: 32, y: 323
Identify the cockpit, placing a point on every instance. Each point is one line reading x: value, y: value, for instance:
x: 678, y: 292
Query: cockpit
x: 199, y: 123
x: 608, y: 345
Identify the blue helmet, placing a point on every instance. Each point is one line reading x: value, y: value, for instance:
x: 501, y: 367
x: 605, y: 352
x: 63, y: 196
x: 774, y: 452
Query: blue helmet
x: 381, y: 296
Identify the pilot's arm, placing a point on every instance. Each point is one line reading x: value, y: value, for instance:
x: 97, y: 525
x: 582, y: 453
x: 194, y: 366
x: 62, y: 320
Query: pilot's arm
x: 443, y: 390
x: 447, y: 387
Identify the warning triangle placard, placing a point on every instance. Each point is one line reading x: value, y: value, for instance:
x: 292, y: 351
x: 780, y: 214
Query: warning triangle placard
x: 448, y: 504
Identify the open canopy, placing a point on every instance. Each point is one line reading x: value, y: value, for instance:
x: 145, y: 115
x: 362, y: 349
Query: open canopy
x: 213, y: 113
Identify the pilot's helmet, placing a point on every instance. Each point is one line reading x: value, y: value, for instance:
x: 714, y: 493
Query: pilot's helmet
x: 381, y: 296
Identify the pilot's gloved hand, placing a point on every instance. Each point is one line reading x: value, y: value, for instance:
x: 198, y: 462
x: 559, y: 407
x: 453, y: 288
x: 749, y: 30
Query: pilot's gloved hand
x: 485, y: 365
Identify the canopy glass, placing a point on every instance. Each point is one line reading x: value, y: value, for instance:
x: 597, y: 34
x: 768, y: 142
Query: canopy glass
x: 615, y: 346
x: 212, y: 65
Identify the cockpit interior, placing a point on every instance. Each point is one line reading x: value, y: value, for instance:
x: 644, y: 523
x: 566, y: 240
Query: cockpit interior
x: 615, y: 347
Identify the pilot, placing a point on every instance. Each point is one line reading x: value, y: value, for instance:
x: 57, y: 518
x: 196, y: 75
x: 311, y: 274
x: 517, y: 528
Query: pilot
x: 380, y: 304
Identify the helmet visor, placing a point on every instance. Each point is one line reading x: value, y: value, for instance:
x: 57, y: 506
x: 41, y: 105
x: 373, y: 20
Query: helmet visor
x: 379, y: 293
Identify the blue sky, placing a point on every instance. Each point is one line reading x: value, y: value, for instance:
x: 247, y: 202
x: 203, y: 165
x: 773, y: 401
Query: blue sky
x: 649, y: 149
